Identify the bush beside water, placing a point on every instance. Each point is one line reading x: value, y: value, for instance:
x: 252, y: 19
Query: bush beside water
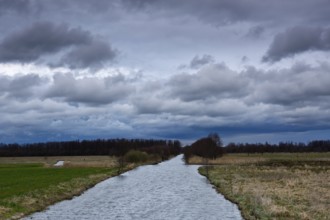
x: 135, y: 156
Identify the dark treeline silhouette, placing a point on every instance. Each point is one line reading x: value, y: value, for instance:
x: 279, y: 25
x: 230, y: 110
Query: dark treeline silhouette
x: 111, y: 147
x: 204, y: 147
x: 313, y: 146
x: 209, y: 148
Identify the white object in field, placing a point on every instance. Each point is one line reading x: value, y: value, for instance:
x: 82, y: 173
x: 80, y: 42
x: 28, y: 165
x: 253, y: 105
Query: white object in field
x: 59, y: 163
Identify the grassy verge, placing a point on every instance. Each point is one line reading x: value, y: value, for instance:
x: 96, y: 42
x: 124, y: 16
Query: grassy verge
x: 27, y: 187
x: 280, y: 186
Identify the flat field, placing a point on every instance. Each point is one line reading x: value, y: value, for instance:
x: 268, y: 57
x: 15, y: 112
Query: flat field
x: 274, y: 186
x: 69, y: 161
x: 29, y: 184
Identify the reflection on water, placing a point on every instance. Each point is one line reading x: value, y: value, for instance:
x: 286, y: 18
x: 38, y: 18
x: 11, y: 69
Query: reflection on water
x: 169, y: 190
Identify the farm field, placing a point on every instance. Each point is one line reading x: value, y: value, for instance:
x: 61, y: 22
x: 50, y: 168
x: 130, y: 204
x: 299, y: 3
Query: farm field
x: 29, y: 184
x: 274, y: 186
x: 69, y: 161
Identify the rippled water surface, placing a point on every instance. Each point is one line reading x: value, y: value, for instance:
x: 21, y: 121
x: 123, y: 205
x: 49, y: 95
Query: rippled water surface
x: 169, y: 190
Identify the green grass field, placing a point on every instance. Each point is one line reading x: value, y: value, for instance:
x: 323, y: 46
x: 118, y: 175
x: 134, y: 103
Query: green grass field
x: 25, y: 188
x: 18, y: 179
x: 30, y: 184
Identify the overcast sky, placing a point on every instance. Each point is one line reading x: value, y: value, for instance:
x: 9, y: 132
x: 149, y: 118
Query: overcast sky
x: 253, y: 71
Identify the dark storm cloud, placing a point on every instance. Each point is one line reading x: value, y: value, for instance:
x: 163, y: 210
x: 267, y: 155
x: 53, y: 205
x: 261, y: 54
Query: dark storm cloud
x: 89, y: 55
x: 92, y: 91
x: 155, y: 36
x: 227, y: 11
x: 216, y: 12
x: 40, y: 39
x: 15, y: 5
x: 211, y: 11
x: 47, y: 38
x: 139, y: 3
x: 298, y: 40
x: 197, y: 61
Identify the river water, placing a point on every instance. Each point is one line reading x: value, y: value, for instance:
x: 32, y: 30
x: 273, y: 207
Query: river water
x: 169, y: 190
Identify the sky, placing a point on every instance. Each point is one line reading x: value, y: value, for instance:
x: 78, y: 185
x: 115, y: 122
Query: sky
x: 252, y: 71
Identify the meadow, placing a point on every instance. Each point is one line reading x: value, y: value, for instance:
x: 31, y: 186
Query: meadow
x: 30, y: 184
x: 274, y: 185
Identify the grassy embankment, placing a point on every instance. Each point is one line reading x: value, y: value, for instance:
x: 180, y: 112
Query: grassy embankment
x: 274, y: 186
x: 30, y: 184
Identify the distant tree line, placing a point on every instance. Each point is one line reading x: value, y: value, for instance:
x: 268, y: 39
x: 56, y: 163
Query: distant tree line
x: 111, y: 147
x: 313, y: 146
x: 210, y: 147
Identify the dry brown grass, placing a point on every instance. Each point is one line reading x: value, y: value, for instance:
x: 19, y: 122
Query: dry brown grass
x: 228, y: 159
x: 69, y: 161
x: 276, y: 189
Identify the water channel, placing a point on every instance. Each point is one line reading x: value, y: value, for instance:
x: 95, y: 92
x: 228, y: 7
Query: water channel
x: 169, y: 190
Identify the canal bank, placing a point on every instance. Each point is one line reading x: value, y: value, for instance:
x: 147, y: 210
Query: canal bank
x: 169, y: 190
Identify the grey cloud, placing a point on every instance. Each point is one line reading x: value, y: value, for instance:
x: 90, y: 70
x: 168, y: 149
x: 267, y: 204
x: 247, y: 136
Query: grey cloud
x: 15, y: 5
x: 297, y: 40
x: 256, y: 32
x: 33, y: 6
x: 50, y: 120
x: 197, y: 61
x: 89, y: 55
x: 299, y: 85
x: 213, y: 97
x: 295, y: 95
x: 214, y: 81
x: 89, y: 90
x: 40, y: 39
x: 20, y: 87
x: 221, y: 12
x: 4, y: 82
x: 226, y: 10
x: 47, y: 38
x: 244, y: 59
x: 216, y: 12
x: 215, y: 108
x: 139, y: 3
x: 211, y: 11
x: 285, y: 98
x: 217, y: 87
x: 302, y: 115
